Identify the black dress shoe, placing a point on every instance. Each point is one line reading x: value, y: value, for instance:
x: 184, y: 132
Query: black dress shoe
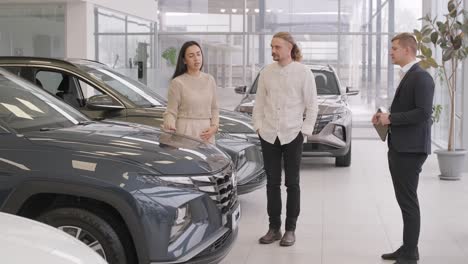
x: 414, y: 255
x: 271, y: 236
x: 288, y: 239
x: 406, y: 261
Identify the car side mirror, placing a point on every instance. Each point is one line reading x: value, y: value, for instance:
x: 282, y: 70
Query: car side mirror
x: 240, y: 89
x: 351, y: 91
x: 103, y: 102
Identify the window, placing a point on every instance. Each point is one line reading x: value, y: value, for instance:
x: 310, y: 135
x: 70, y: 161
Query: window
x: 61, y: 85
x: 49, y: 81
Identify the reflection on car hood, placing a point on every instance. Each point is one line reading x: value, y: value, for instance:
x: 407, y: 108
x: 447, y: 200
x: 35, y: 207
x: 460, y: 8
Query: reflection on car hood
x: 168, y: 154
x: 235, y: 122
x: 330, y: 104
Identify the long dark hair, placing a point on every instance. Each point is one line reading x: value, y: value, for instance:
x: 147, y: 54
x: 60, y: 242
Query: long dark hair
x: 181, y: 67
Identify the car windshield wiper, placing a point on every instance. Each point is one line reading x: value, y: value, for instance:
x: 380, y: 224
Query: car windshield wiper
x: 48, y: 128
x: 84, y: 123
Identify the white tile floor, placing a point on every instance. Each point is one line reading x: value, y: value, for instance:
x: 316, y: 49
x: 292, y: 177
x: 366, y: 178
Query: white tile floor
x: 349, y: 215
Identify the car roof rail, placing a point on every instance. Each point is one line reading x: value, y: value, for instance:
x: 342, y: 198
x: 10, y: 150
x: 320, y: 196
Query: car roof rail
x: 88, y: 60
x: 33, y: 58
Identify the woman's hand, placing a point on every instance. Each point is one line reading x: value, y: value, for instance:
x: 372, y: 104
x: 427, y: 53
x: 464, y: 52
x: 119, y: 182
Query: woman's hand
x: 168, y: 128
x: 208, y: 133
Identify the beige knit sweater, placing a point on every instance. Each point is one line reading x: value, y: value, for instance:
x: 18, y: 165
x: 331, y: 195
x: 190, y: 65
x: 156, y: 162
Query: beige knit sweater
x: 192, y: 104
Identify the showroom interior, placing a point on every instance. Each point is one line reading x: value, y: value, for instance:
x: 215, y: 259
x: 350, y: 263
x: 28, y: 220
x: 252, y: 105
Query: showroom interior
x: 348, y: 210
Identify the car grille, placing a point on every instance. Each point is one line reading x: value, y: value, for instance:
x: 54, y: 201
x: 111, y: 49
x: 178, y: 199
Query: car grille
x: 221, y: 189
x: 321, y: 122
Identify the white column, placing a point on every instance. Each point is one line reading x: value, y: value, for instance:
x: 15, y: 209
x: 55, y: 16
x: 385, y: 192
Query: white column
x: 79, y: 30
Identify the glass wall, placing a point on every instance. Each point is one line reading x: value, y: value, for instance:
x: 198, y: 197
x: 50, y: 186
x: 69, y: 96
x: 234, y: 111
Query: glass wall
x: 350, y: 35
x: 118, y: 40
x: 32, y: 30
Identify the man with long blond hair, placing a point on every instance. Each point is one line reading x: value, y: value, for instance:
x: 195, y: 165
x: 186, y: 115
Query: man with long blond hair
x: 286, y: 90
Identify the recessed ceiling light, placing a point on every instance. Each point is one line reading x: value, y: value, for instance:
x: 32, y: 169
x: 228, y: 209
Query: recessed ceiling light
x: 268, y: 10
x: 234, y: 10
x: 257, y: 10
x: 246, y: 10
x: 222, y: 10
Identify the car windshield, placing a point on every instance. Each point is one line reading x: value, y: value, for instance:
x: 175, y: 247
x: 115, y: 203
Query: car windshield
x: 324, y: 80
x: 138, y: 93
x: 24, y: 107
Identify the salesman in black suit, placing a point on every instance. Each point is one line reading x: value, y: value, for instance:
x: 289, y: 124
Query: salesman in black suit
x: 409, y: 140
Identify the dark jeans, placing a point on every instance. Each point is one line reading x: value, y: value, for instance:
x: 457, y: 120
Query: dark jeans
x: 405, y: 169
x: 291, y: 154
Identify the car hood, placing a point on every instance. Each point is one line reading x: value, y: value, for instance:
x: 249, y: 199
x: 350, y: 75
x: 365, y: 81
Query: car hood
x: 235, y: 122
x: 27, y: 241
x: 330, y: 104
x: 164, y: 153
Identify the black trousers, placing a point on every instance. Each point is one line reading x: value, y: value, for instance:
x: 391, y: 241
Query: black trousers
x: 291, y: 154
x: 405, y: 169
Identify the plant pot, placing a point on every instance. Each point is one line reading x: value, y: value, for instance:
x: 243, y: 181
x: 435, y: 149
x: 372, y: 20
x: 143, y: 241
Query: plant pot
x: 451, y: 163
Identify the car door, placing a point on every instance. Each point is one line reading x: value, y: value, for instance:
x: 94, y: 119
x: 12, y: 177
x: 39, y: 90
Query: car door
x: 75, y: 91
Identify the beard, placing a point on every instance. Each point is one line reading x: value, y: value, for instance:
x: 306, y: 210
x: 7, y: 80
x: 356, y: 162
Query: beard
x: 275, y: 57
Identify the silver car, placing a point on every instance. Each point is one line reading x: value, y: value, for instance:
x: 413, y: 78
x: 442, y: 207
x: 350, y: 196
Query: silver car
x: 332, y: 133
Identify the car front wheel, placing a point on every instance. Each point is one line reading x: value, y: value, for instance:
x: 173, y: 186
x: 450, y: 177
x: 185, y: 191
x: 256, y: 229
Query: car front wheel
x: 89, y: 229
x: 344, y: 161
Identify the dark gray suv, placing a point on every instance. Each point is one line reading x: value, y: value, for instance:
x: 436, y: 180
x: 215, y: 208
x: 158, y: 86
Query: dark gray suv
x: 131, y: 192
x: 100, y: 93
x: 332, y: 133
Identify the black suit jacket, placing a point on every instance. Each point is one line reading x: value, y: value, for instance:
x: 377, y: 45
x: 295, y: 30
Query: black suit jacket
x: 411, y: 113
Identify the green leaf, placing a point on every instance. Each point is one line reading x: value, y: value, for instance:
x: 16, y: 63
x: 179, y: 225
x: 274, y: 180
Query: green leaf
x: 457, y: 42
x: 422, y: 57
x: 452, y: 8
x: 432, y: 63
x: 447, y: 54
x: 427, y: 52
x: 426, y: 31
x: 442, y: 28
x: 417, y: 34
x: 434, y: 37
x: 424, y: 64
x: 426, y: 40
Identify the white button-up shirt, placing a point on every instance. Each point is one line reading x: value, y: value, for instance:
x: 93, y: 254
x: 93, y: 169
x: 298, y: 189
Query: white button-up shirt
x: 405, y: 69
x: 284, y: 94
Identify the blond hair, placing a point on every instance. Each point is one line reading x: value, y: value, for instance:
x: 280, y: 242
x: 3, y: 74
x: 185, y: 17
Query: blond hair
x: 296, y: 54
x: 407, y: 40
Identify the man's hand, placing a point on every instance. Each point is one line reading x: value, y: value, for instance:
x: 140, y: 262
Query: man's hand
x: 383, y: 118
x: 375, y: 119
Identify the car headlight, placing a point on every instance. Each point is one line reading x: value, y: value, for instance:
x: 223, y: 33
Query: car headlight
x: 338, y: 132
x: 182, y: 220
x: 332, y: 117
x: 177, y: 180
x: 241, y: 159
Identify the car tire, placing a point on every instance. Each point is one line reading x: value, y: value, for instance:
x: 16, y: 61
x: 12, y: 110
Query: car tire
x: 344, y: 161
x: 90, y: 223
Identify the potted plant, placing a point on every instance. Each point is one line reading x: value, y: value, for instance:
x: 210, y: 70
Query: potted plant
x: 447, y: 35
x: 170, y: 55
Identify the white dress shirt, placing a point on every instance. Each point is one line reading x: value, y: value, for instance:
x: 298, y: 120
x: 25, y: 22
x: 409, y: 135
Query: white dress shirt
x: 405, y: 69
x: 284, y: 94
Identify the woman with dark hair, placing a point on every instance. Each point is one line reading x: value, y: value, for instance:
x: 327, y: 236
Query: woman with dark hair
x: 192, y: 107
